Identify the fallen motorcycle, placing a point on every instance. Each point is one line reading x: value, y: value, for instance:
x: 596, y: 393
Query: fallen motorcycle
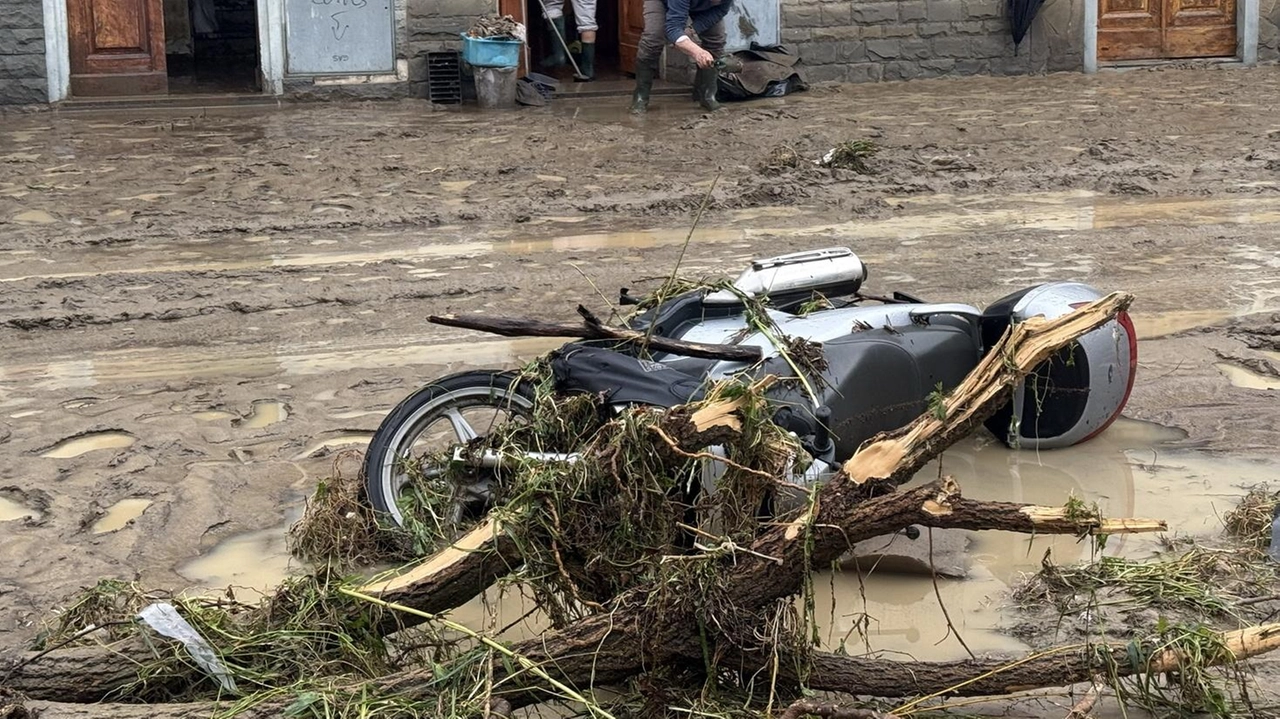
x: 870, y: 364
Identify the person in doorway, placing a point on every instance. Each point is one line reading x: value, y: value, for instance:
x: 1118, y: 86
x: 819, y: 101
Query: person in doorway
x: 584, y: 14
x: 667, y: 21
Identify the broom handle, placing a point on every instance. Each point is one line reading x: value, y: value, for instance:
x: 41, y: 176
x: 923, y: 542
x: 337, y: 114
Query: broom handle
x: 560, y: 37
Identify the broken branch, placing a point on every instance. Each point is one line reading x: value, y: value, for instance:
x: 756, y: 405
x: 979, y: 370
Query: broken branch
x: 589, y: 329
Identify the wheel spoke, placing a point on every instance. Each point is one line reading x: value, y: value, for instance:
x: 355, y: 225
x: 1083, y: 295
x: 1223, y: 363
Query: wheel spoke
x: 460, y: 426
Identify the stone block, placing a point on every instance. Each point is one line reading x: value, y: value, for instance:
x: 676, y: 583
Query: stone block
x: 853, y: 51
x: 418, y: 68
x: 874, y: 13
x: 937, y: 67
x: 27, y: 91
x: 992, y: 46
x: 944, y: 10
x: 915, y: 49
x: 933, y: 29
x: 972, y: 67
x: 984, y: 9
x: 796, y: 34
x: 22, y: 67
x: 968, y: 27
x: 883, y: 49
x: 449, y: 8
x: 951, y: 47
x: 826, y: 73
x: 865, y: 72
x: 22, y: 41
x: 912, y: 11
x: 837, y: 13
x: 901, y: 70
x: 23, y: 16
x: 899, y: 30
x: 802, y: 15
x: 820, y: 53
x: 838, y: 34
x: 995, y: 27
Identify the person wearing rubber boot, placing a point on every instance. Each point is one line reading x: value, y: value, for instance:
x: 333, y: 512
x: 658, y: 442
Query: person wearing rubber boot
x: 668, y: 22
x: 584, y: 14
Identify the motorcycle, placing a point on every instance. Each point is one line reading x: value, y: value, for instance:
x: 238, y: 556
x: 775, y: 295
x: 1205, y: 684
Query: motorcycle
x: 880, y: 359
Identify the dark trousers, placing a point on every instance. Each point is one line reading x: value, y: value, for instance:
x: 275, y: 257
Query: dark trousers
x: 654, y: 37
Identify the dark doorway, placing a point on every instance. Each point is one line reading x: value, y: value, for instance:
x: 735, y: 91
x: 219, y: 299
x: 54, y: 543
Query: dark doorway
x: 212, y: 46
x: 541, y: 41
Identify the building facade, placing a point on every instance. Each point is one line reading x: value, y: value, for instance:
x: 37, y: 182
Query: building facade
x: 51, y: 50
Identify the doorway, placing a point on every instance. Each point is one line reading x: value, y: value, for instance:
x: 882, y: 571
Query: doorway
x: 542, y: 42
x: 211, y: 46
x: 1166, y: 29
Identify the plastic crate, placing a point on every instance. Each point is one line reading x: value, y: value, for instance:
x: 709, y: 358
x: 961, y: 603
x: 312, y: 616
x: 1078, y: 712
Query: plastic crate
x: 487, y: 52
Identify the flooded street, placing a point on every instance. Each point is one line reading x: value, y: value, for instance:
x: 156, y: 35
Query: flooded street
x: 199, y: 313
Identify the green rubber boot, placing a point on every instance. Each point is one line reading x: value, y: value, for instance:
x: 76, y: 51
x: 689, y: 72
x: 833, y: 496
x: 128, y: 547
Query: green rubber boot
x: 706, y: 84
x: 644, y: 87
x: 553, y: 32
x: 587, y: 62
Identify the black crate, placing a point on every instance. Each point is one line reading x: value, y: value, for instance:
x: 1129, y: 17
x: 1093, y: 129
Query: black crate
x: 444, y: 77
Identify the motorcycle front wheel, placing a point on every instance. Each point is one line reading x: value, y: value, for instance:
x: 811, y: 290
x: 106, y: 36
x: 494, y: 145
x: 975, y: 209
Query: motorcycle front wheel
x: 451, y: 411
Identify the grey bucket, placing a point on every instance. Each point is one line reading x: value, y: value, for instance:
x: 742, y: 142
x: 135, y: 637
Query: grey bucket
x: 495, y: 87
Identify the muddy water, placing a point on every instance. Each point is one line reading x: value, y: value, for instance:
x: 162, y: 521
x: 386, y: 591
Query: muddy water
x: 11, y: 511
x: 120, y: 514
x: 1134, y: 469
x: 265, y: 413
x: 92, y: 442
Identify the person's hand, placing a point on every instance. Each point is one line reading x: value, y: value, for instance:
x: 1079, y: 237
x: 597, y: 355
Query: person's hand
x: 699, y: 56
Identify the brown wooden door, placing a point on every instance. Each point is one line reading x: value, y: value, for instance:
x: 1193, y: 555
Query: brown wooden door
x: 630, y: 28
x: 117, y: 47
x: 1158, y: 29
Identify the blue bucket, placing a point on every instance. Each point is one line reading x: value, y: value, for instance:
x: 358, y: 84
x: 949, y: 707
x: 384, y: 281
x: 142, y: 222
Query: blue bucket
x: 489, y: 52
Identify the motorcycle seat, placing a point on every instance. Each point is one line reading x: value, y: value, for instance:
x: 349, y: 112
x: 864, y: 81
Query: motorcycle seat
x: 621, y: 378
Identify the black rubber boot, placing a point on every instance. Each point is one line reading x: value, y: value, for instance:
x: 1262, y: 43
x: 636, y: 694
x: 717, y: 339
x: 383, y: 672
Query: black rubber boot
x: 587, y: 62
x: 553, y: 32
x: 644, y: 87
x: 706, y: 84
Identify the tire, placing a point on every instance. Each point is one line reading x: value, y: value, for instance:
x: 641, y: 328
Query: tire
x: 443, y: 400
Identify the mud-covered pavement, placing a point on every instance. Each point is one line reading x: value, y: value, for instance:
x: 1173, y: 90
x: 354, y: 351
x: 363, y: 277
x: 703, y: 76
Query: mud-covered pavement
x: 198, y: 311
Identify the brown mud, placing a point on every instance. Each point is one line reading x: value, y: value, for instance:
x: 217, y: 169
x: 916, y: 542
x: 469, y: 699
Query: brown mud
x: 198, y: 311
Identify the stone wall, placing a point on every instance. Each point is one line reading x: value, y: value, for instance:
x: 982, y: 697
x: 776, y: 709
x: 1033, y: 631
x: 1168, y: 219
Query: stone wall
x: 871, y: 40
x: 22, y: 69
x: 434, y: 26
x: 1269, y: 31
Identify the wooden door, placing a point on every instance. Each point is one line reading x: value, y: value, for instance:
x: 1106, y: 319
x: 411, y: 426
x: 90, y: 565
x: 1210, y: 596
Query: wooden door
x: 1200, y: 28
x: 1166, y: 29
x: 630, y: 28
x: 116, y: 47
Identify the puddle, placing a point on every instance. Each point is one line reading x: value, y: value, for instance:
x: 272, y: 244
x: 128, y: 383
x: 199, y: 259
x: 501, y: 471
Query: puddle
x: 11, y: 510
x: 1160, y: 324
x: 120, y: 515
x: 265, y: 413
x: 342, y: 441
x: 253, y: 562
x: 76, y: 446
x: 1247, y: 378
x: 1131, y: 470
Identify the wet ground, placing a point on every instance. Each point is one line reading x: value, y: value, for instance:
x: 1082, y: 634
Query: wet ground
x: 198, y: 312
